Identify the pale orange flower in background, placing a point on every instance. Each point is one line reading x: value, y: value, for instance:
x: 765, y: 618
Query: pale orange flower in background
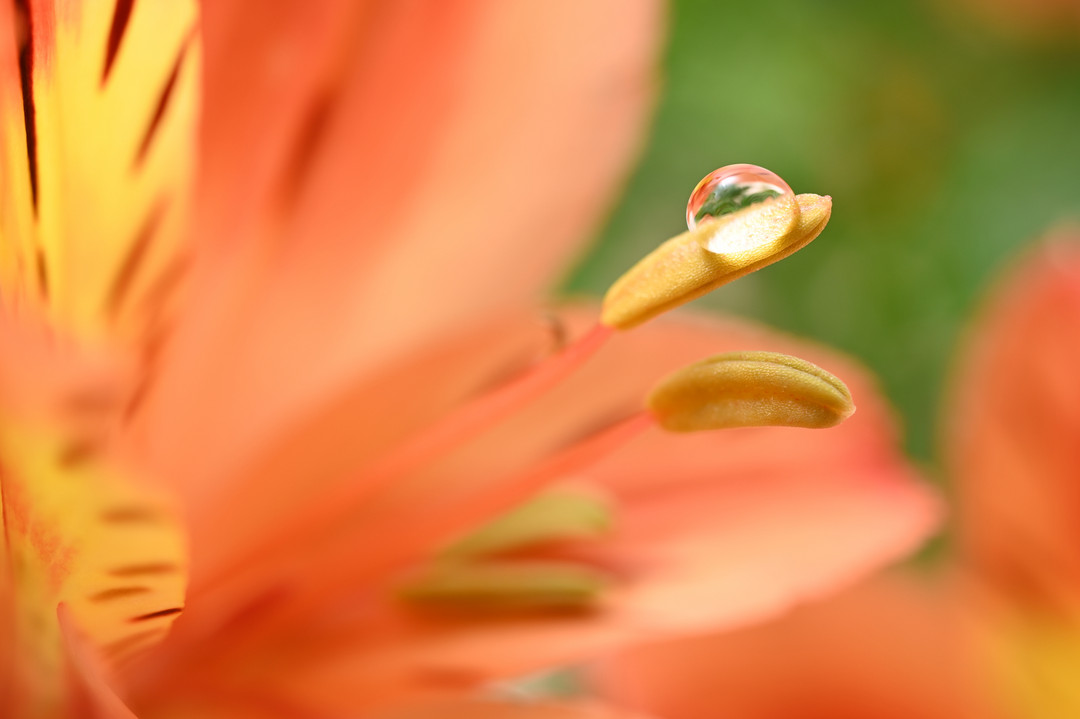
x: 288, y: 261
x: 1013, y: 432
x: 998, y: 634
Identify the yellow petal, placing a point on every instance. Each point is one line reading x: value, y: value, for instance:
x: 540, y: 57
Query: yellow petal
x: 1034, y: 659
x: 80, y: 531
x: 96, y: 188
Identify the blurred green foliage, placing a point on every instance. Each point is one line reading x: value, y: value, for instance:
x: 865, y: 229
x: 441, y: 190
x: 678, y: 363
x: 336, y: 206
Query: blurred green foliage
x: 946, y: 146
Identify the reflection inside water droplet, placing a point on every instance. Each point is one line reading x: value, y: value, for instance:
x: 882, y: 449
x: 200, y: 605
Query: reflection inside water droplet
x: 730, y: 189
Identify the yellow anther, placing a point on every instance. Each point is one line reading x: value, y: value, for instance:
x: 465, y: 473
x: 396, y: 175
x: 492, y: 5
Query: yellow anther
x: 717, y: 252
x: 561, y: 513
x: 750, y: 389
x: 506, y: 586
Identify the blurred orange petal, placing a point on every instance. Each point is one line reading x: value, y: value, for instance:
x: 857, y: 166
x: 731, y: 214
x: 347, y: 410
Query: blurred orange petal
x: 373, y: 178
x: 859, y: 456
x: 78, y: 528
x: 712, y: 530
x: 1014, y: 428
x: 332, y: 445
x: 89, y: 693
x: 889, y: 649
x: 441, y: 166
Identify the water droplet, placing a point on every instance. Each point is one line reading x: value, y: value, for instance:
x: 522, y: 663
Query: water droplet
x: 731, y: 188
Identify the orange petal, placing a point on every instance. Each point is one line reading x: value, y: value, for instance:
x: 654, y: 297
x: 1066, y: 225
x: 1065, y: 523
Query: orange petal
x: 332, y: 443
x: 895, y: 647
x: 613, y: 385
x: 717, y: 529
x: 89, y: 694
x: 465, y: 151
x: 1013, y: 429
x: 443, y: 132
x: 78, y: 528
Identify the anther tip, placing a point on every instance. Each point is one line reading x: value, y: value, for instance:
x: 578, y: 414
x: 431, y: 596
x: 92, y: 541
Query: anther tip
x: 716, y: 252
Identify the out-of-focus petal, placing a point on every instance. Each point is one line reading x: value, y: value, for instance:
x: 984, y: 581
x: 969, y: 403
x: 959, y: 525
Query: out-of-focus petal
x: 333, y: 443
x: 77, y: 527
x: 97, y: 136
x: 444, y: 131
x: 894, y: 647
x: 712, y: 530
x: 1014, y: 428
x: 437, y: 155
x: 89, y: 695
x: 716, y: 529
x: 87, y: 534
x: 860, y: 453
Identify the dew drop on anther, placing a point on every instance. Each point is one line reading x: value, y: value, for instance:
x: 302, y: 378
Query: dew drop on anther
x: 730, y: 189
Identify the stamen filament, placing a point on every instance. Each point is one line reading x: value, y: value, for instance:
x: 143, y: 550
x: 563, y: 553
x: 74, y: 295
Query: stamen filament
x: 428, y: 446
x: 443, y: 517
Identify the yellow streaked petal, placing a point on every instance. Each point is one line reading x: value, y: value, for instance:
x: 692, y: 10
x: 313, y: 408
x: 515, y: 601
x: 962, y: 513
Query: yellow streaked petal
x: 113, y: 161
x: 82, y: 532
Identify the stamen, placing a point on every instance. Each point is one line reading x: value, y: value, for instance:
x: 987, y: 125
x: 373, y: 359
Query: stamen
x: 505, y: 586
x: 446, y: 515
x: 715, y: 253
x: 505, y: 493
x: 558, y: 514
x: 429, y: 446
x: 750, y: 389
x: 484, y: 412
x: 726, y: 391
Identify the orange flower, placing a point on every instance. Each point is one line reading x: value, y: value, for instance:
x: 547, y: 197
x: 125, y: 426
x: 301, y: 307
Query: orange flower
x: 260, y: 462
x: 1012, y: 449
x: 889, y: 649
x: 1001, y: 636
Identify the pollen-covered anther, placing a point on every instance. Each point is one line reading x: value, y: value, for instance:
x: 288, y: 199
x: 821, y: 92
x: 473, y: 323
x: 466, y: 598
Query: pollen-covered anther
x: 750, y: 389
x: 716, y: 252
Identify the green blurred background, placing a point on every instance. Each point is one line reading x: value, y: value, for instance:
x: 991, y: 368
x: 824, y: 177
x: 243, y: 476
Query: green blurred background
x: 947, y: 143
